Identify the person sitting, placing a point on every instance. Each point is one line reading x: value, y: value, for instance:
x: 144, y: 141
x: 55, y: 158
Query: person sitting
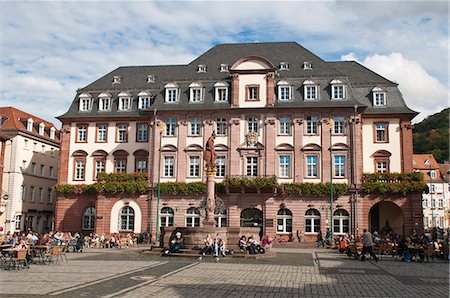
x: 243, y: 244
x: 252, y: 246
x: 209, y: 246
x: 219, y: 246
x: 175, y: 244
x: 266, y: 242
x: 343, y: 244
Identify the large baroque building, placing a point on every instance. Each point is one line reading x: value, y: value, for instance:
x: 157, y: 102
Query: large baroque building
x: 271, y: 106
x: 28, y: 168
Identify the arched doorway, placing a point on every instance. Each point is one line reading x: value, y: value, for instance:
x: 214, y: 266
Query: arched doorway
x: 386, y: 216
x: 251, y: 217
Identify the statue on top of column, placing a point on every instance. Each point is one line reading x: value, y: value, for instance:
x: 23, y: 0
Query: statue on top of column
x: 209, y: 154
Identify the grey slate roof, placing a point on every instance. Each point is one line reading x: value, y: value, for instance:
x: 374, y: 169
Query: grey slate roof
x: 360, y: 81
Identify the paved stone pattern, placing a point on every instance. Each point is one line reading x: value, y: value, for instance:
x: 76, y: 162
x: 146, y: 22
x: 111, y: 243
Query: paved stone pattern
x: 295, y: 273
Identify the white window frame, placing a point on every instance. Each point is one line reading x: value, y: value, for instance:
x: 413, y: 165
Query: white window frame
x: 339, y: 163
x: 169, y: 166
x: 52, y: 133
x: 194, y: 166
x: 253, y: 124
x: 311, y: 92
x: 120, y: 165
x: 252, y: 166
x: 221, y: 219
x: 41, y: 128
x: 142, y: 132
x: 284, y: 91
x: 104, y: 104
x: 221, y: 94
x: 125, y: 103
x: 122, y: 132
x: 85, y: 103
x: 171, y: 124
x: 127, y: 216
x: 196, y: 95
x: 102, y: 132
x: 144, y: 102
x: 382, y: 167
x: 285, y: 126
x: 82, y: 130
x: 339, y: 125
x: 221, y: 126
x: 312, y: 125
x: 193, y: 216
x: 30, y: 123
x: 379, y: 99
x: 80, y: 170
x: 18, y: 222
x: 312, y: 166
x: 341, y: 218
x: 284, y: 218
x: 221, y: 166
x: 336, y: 94
x: 88, y: 219
x: 171, y: 95
x: 167, y: 217
x: 313, y: 219
x: 99, y: 166
x: 195, y: 127
x: 384, y: 128
x: 285, y: 166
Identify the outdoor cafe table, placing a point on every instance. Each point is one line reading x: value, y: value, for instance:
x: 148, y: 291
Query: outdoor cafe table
x: 39, y: 252
x: 415, y: 250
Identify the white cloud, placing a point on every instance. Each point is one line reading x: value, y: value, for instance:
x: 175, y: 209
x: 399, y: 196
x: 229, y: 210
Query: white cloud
x: 421, y: 91
x: 56, y: 47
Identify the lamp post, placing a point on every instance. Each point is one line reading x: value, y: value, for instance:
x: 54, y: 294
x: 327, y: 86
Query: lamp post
x: 331, y: 125
x: 161, y: 126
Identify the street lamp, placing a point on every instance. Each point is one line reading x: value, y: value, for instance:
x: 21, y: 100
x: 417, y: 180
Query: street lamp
x: 331, y: 125
x: 161, y: 126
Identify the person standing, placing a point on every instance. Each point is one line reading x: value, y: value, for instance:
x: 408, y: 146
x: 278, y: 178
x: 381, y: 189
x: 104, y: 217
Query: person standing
x: 368, y: 246
x: 319, y: 239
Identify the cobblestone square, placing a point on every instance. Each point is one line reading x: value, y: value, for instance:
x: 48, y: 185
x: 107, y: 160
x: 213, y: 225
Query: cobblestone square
x: 294, y: 273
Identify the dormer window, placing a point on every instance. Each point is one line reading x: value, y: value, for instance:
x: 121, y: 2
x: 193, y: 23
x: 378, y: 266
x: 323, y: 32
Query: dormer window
x: 224, y: 67
x: 201, y: 68
x: 41, y: 128
x: 221, y: 91
x: 307, y: 65
x: 117, y: 80
x: 30, y: 122
x: 196, y: 92
x: 379, y: 97
x: 337, y: 89
x: 310, y: 90
x: 284, y: 66
x: 85, y: 102
x: 171, y: 92
x: 144, y: 100
x: 284, y: 91
x: 52, y: 133
x: 151, y: 78
x: 124, y: 101
x: 104, y: 102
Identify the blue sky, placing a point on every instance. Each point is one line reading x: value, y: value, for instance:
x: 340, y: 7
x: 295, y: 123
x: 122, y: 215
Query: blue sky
x: 49, y: 49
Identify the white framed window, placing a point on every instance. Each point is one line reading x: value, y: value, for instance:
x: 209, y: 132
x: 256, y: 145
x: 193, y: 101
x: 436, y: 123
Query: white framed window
x: 104, y: 102
x: 41, y: 128
x: 171, y: 92
x: 252, y: 92
x: 194, y: 166
x: 79, y: 169
x: 52, y: 133
x: 285, y: 166
x: 221, y: 126
x: 252, y: 124
x: 341, y: 222
x: 284, y: 91
x: 141, y: 165
x: 285, y: 125
x: 124, y: 102
x: 126, y: 219
x: 433, y: 174
x: 312, y: 221
x: 284, y: 221
x: 312, y: 166
x: 100, y: 166
x: 151, y: 78
x: 102, y: 130
x: 220, y: 218
x: 82, y: 133
x: 220, y: 166
x: 201, y: 68
x: 18, y: 222
x: 166, y: 217
x: 120, y: 165
x: 195, y: 126
x: 122, y: 133
x: 283, y: 66
x: 312, y: 125
x: 307, y: 65
x: 224, y: 67
x: 339, y: 124
x: 142, y: 132
x: 88, y: 221
x: 144, y: 101
x: 85, y: 102
x: 252, y: 166
x: 196, y: 95
x: 169, y: 162
x: 221, y: 91
x: 379, y: 99
x: 381, y: 133
x: 382, y: 167
x: 171, y: 124
x: 339, y: 166
x: 32, y: 192
x: 337, y: 90
x: 310, y: 90
x: 117, y: 80
x: 192, y: 217
x: 30, y: 122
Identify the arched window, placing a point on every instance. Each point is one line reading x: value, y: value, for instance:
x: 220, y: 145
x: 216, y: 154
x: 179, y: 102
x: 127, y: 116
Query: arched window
x: 88, y: 218
x: 284, y: 221
x: 192, y: 217
x: 312, y: 221
x: 251, y: 217
x: 341, y: 222
x: 166, y: 217
x: 220, y: 218
x: 126, y: 219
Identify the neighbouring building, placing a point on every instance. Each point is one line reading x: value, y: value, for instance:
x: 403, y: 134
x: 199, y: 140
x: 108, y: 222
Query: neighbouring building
x: 445, y: 174
x: 435, y: 202
x: 29, y: 165
x: 270, y: 105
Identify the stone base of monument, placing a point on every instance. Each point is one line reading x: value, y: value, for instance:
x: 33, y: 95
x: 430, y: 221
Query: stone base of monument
x: 194, y: 236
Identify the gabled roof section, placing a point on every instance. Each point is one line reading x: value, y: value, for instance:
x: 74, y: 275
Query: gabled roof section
x: 420, y: 162
x: 16, y: 120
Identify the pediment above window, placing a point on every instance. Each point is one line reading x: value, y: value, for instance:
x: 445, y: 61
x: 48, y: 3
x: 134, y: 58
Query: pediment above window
x: 124, y: 94
x: 340, y: 147
x: 100, y: 153
x: 252, y: 63
x: 193, y: 147
x: 221, y: 147
x: 169, y: 148
x: 120, y: 153
x: 284, y: 147
x: 104, y: 95
x: 144, y: 94
x: 311, y: 147
x: 79, y: 153
x: 195, y: 85
x: 171, y: 85
x: 382, y: 153
x: 221, y: 84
